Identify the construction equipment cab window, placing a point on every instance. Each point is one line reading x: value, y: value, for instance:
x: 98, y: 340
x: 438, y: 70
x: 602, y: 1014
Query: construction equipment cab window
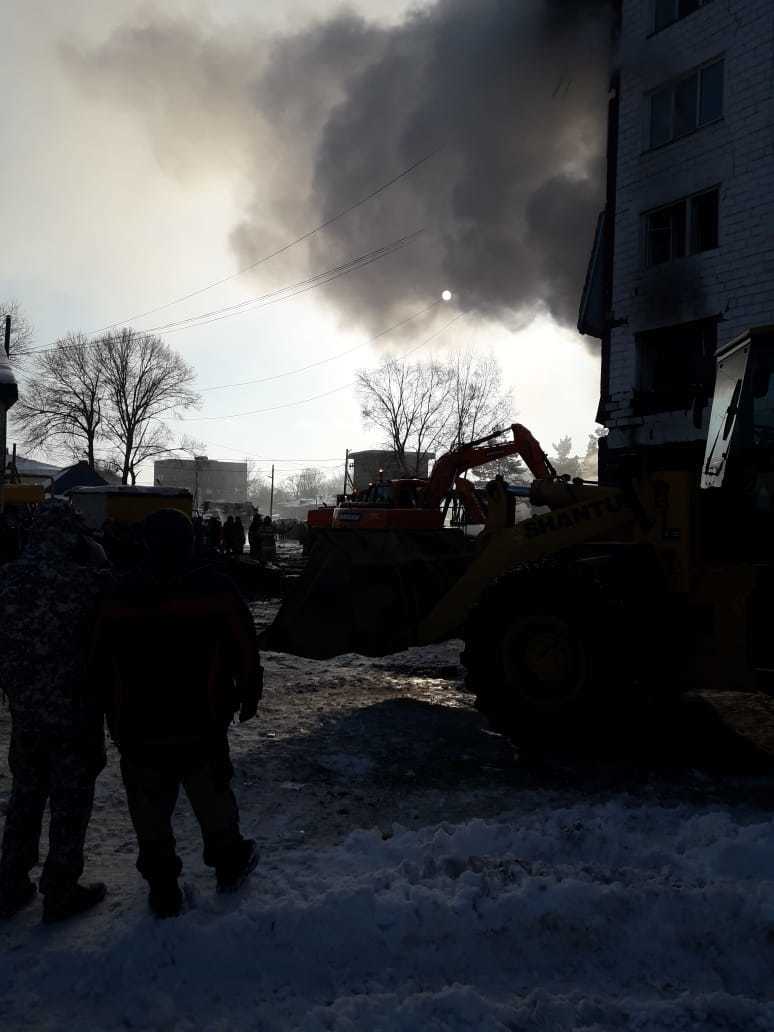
x: 740, y: 444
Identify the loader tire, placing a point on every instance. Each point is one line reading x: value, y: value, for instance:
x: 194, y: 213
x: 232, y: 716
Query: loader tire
x: 559, y: 658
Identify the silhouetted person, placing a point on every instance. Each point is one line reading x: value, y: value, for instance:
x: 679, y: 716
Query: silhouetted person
x: 268, y: 543
x: 254, y: 536
x: 238, y: 536
x: 214, y: 532
x: 192, y: 663
x: 228, y: 535
x: 198, y: 529
x: 48, y: 601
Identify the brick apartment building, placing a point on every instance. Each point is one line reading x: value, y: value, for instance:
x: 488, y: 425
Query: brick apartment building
x: 684, y: 256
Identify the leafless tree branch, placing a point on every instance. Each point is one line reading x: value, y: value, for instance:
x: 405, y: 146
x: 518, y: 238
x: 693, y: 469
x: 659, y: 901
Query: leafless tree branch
x: 144, y: 379
x: 62, y: 401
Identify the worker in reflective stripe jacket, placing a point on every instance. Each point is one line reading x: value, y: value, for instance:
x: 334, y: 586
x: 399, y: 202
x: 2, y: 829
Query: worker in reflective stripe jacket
x: 176, y: 653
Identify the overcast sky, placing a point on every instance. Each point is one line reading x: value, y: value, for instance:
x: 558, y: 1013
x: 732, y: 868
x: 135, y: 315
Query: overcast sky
x: 150, y: 149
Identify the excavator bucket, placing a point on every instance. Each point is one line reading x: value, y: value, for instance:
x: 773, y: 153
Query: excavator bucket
x: 366, y: 592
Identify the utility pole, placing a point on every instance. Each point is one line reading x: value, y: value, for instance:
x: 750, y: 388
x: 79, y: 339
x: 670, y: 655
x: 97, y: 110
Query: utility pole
x: 9, y: 395
x: 346, y: 471
x: 271, y: 496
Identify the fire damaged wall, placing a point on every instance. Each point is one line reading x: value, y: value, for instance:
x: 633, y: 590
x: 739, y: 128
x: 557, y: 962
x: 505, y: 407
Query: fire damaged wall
x: 673, y: 301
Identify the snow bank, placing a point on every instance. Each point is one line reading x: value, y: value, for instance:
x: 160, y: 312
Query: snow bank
x: 592, y: 917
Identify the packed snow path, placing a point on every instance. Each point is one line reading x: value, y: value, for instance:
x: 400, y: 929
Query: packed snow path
x: 414, y: 878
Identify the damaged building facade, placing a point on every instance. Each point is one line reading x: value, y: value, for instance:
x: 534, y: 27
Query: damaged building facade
x: 683, y: 261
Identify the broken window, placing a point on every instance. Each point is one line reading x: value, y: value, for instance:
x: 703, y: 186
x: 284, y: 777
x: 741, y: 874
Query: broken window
x: 676, y: 367
x: 711, y: 103
x: 704, y: 221
x: 687, y: 226
x: 684, y: 105
x: 668, y: 11
x: 665, y: 234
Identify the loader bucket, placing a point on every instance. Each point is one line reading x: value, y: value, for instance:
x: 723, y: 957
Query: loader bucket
x: 366, y: 592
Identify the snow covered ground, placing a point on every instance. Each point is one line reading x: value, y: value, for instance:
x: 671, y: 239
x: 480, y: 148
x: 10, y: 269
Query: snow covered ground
x: 414, y: 878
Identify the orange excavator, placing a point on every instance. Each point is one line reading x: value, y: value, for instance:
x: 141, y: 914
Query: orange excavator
x: 384, y: 556
x: 422, y: 503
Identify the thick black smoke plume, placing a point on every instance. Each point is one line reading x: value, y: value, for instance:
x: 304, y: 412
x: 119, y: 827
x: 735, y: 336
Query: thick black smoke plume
x: 509, y: 94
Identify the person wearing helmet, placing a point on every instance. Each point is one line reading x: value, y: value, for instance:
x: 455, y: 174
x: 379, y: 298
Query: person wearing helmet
x: 48, y: 602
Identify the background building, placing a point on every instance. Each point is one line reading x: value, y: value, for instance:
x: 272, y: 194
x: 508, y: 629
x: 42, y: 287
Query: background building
x: 206, y: 479
x: 367, y: 464
x: 684, y: 256
x: 32, y: 471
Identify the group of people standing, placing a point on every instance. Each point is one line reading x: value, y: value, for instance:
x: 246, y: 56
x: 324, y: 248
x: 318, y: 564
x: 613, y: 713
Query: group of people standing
x: 230, y: 537
x: 167, y: 655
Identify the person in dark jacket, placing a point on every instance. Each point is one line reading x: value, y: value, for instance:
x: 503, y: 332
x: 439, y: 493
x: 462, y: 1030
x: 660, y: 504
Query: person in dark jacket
x: 254, y: 536
x: 214, y: 532
x: 228, y: 535
x: 238, y: 538
x: 198, y: 529
x: 48, y: 601
x: 177, y: 649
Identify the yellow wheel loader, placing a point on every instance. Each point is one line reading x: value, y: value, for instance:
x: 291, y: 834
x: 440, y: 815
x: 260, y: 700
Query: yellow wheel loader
x: 587, y: 624
x: 589, y: 620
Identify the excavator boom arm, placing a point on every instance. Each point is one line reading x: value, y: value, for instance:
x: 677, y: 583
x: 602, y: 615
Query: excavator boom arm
x: 469, y: 456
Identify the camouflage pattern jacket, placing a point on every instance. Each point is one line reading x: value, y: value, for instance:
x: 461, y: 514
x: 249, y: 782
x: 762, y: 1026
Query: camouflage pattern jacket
x: 48, y: 603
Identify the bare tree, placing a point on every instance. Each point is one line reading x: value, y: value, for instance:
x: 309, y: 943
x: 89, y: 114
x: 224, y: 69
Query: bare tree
x: 410, y: 404
x: 332, y: 486
x: 145, y: 379
x: 434, y: 406
x: 22, y: 333
x: 479, y: 402
x: 258, y: 486
x: 510, y: 468
x: 62, y: 399
x: 307, y: 483
x: 259, y: 490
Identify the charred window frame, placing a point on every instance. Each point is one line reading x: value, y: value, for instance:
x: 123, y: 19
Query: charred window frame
x: 667, y: 12
x: 688, y: 226
x: 676, y: 368
x: 686, y: 104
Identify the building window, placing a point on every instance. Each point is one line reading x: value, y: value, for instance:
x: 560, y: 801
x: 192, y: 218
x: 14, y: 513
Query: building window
x: 704, y: 221
x: 686, y: 104
x: 665, y: 231
x: 676, y: 367
x: 687, y: 226
x: 665, y: 12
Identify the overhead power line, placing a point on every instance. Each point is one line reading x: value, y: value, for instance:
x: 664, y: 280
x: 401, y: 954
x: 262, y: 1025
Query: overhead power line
x: 324, y: 394
x: 280, y: 250
x: 330, y: 358
x: 293, y: 290
x: 261, y: 301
